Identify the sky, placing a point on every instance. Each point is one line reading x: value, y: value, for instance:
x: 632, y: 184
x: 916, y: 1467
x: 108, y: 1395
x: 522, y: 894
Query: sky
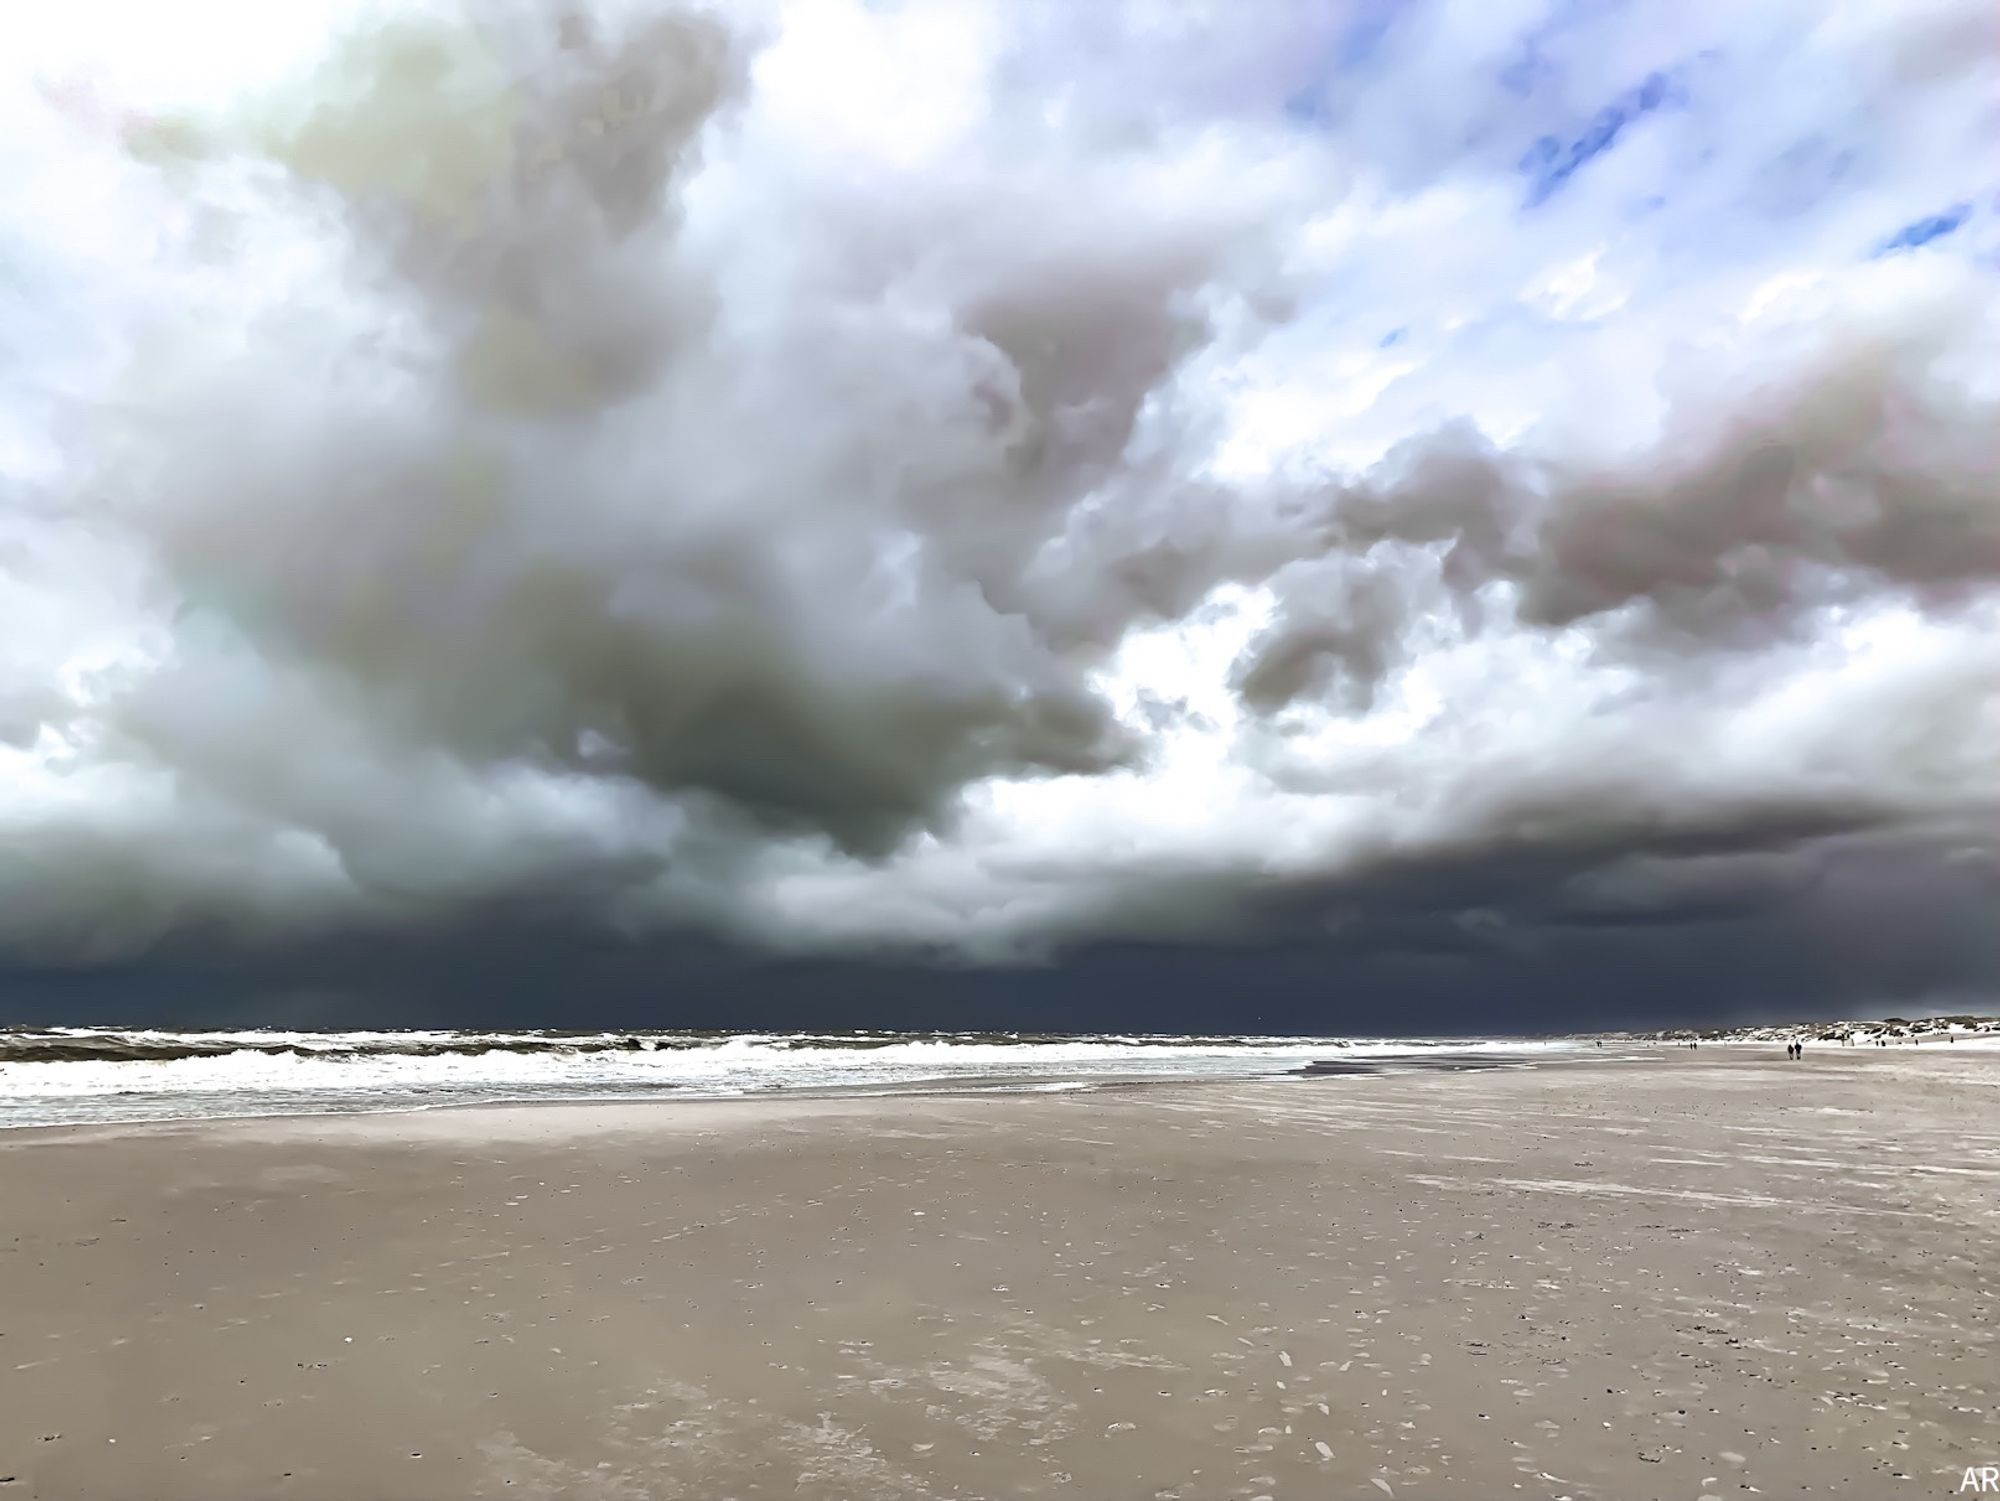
x: 1459, y: 515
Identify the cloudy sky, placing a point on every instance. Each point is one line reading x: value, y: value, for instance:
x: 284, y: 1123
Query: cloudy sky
x: 1459, y: 513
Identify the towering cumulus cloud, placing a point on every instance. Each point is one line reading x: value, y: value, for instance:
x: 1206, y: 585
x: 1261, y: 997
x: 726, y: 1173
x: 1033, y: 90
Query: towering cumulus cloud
x: 971, y: 477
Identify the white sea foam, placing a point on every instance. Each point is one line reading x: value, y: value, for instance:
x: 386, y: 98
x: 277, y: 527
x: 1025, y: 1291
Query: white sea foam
x: 250, y: 1073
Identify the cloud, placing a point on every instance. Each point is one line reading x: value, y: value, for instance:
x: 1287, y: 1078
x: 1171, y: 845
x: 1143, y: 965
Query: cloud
x: 971, y: 479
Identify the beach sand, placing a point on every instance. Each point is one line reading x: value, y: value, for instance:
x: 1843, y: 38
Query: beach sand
x: 1690, y: 1274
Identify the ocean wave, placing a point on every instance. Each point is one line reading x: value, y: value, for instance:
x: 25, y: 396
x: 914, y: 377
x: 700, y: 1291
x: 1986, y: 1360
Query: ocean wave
x: 82, y: 1074
x: 86, y: 1045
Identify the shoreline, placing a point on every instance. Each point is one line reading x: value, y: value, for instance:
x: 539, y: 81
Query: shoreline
x: 991, y: 1083
x: 85, y: 1076
x: 1537, y: 1054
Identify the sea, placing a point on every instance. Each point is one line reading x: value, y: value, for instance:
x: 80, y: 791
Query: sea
x: 84, y: 1075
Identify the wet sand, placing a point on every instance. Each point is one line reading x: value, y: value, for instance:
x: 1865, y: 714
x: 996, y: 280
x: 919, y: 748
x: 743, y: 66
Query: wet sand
x: 1711, y: 1274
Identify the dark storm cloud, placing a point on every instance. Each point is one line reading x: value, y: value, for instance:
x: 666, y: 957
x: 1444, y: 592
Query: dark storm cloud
x: 1849, y: 471
x: 1692, y: 931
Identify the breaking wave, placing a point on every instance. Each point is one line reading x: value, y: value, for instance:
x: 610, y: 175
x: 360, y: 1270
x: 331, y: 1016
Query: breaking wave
x: 73, y: 1075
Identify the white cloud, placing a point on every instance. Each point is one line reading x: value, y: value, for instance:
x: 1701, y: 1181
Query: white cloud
x: 966, y: 474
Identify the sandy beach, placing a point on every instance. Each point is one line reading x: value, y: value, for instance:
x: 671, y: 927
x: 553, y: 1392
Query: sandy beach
x: 1685, y: 1275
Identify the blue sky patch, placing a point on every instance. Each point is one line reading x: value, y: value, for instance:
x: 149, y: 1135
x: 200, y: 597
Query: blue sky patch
x: 1352, y: 52
x: 1552, y: 161
x: 1922, y: 231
